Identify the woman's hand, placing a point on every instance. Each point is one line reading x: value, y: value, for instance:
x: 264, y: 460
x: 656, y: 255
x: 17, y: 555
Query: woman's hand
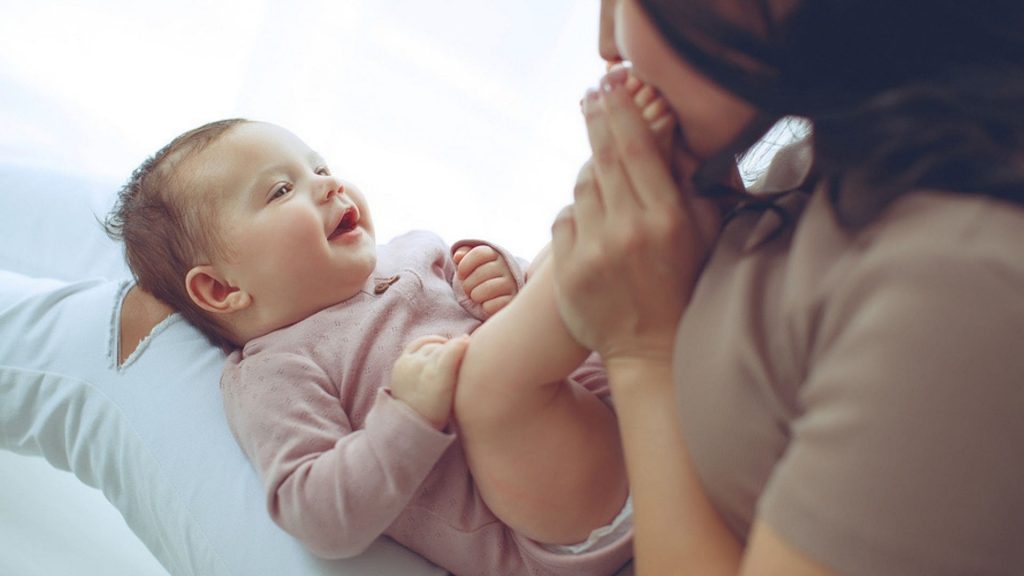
x: 628, y: 251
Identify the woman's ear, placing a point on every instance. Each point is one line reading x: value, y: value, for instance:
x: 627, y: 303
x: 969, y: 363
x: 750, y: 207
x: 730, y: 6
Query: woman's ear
x: 211, y: 292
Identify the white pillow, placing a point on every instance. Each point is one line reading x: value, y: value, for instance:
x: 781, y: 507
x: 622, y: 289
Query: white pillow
x: 150, y: 435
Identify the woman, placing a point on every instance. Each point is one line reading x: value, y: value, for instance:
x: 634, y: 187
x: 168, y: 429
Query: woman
x: 834, y: 383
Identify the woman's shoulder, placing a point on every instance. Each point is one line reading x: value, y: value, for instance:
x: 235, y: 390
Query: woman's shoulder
x: 938, y: 265
x: 912, y: 393
x: 947, y: 228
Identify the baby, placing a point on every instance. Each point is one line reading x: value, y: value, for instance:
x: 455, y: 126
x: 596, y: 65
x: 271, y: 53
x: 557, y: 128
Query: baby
x: 351, y: 384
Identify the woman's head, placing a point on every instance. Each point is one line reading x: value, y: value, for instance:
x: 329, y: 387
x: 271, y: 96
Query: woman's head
x: 901, y: 93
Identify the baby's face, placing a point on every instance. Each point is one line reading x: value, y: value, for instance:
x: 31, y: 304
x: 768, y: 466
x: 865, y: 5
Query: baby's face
x: 298, y: 239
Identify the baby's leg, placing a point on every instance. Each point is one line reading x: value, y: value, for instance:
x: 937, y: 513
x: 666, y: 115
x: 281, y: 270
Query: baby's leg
x: 544, y: 452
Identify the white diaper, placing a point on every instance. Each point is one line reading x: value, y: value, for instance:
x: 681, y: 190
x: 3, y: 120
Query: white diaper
x: 600, y: 536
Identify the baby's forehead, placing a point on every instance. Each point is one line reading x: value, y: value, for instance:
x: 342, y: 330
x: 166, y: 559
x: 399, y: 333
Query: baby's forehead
x: 258, y: 146
x: 200, y: 175
x: 199, y: 180
x: 244, y: 157
x: 265, y: 137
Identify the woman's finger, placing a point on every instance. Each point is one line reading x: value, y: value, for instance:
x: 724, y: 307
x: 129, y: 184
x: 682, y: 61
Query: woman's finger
x: 586, y: 194
x: 613, y: 187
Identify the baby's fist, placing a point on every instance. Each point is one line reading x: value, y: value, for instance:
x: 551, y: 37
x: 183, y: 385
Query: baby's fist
x: 486, y: 277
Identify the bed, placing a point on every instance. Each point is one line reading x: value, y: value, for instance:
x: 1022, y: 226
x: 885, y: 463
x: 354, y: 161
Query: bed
x: 477, y: 106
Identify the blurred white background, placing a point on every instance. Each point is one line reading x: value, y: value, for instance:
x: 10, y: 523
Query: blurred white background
x: 458, y: 116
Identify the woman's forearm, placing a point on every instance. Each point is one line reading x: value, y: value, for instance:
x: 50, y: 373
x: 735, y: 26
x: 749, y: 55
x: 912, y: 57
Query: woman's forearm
x: 677, y: 529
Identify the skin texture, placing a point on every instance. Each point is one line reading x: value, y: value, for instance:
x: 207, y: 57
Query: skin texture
x: 299, y: 239
x: 485, y: 277
x: 279, y: 210
x: 627, y: 308
x: 519, y: 419
x: 279, y: 207
x: 708, y: 115
x: 508, y: 408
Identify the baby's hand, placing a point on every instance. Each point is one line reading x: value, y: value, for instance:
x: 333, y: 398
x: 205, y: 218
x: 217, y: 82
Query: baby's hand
x: 424, y: 376
x: 486, y: 277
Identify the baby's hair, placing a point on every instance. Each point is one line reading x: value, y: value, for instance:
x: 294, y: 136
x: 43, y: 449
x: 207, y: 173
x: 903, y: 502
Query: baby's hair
x: 165, y: 231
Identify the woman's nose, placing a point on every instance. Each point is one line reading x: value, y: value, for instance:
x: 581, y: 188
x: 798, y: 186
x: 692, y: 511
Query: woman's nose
x: 606, y: 46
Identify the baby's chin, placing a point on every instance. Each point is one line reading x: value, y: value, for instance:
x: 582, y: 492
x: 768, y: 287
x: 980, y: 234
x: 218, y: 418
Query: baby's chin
x: 369, y: 263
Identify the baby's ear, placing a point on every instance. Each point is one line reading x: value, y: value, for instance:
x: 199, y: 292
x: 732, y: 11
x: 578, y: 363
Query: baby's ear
x: 212, y: 293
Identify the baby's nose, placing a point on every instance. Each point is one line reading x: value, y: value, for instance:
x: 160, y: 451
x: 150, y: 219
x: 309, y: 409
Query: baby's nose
x: 333, y: 187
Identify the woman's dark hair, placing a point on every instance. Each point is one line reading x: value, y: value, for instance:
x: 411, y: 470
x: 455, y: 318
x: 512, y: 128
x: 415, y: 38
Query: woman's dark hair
x: 901, y: 94
x: 166, y: 231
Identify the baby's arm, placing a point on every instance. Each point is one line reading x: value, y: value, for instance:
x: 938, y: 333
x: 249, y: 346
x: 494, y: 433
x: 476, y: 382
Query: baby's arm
x: 334, y: 488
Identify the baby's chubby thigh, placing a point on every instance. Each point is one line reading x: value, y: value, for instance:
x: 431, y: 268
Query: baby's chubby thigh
x: 553, y: 470
x: 543, y: 450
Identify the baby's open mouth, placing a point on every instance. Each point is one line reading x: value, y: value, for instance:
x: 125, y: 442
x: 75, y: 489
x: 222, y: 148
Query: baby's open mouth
x: 347, y: 224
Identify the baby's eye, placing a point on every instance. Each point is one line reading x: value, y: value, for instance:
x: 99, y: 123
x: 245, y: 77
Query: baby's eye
x: 280, y: 191
x: 323, y: 171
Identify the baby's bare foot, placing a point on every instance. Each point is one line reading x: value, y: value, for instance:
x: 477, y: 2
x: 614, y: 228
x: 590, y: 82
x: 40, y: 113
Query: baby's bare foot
x: 655, y: 111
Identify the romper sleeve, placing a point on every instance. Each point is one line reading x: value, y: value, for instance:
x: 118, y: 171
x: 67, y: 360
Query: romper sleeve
x: 334, y: 488
x: 906, y: 457
x: 517, y: 265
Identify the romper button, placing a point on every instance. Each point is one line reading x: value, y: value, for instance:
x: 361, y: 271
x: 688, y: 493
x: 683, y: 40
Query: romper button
x: 383, y: 284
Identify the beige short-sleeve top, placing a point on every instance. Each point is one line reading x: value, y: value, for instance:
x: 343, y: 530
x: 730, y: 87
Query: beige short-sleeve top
x: 863, y: 392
